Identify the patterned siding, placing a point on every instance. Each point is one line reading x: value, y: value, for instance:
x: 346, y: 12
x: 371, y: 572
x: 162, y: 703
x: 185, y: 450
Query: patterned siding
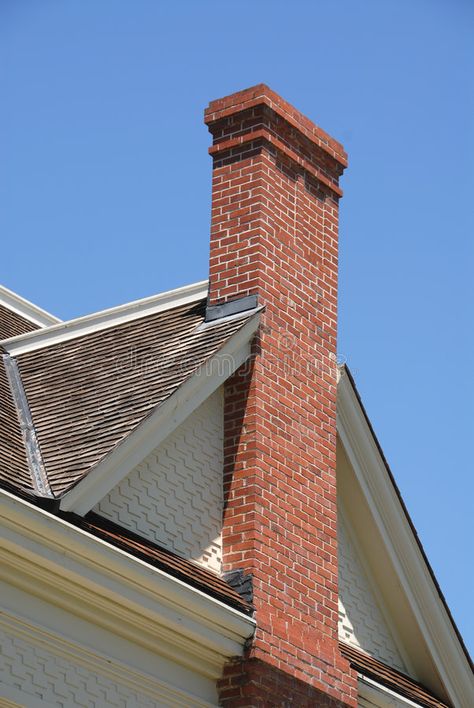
x: 57, y: 681
x: 361, y: 623
x: 175, y: 496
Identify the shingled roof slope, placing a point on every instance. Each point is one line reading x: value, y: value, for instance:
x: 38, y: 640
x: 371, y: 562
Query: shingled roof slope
x: 13, y: 464
x: 186, y: 570
x: 12, y: 324
x: 390, y: 678
x: 88, y: 393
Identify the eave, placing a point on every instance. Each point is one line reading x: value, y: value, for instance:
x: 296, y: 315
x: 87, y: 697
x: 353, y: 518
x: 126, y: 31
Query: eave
x: 26, y: 309
x: 161, y: 423
x: 417, y: 586
x: 64, y: 565
x: 59, y: 332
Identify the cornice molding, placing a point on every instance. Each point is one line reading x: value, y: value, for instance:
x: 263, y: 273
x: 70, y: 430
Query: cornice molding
x: 401, y: 545
x: 70, y: 568
x: 106, y: 666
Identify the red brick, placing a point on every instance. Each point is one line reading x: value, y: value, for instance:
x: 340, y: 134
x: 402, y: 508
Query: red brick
x: 274, y: 234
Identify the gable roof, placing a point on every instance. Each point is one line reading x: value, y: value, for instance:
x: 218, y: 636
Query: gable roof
x: 85, y: 393
x: 13, y: 324
x: 22, y: 312
x: 367, y: 489
x: 384, y: 675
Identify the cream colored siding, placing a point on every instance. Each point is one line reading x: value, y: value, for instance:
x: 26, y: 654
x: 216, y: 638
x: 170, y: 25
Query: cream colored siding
x: 361, y: 622
x: 175, y: 496
x: 50, y: 657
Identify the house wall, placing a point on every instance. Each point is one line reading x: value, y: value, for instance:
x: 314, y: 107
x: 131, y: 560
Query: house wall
x: 175, y: 496
x: 361, y: 622
x: 49, y: 657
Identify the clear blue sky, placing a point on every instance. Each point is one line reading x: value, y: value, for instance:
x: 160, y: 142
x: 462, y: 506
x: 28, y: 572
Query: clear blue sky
x: 105, y: 192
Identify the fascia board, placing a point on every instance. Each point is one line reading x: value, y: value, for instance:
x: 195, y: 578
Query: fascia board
x: 44, y: 628
x: 381, y: 696
x: 200, y: 630
x: 415, y: 579
x: 26, y: 309
x: 80, y: 326
x: 161, y: 423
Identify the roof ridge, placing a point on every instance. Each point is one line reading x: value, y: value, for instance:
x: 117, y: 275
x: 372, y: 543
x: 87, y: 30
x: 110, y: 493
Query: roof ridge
x: 104, y: 319
x: 26, y: 309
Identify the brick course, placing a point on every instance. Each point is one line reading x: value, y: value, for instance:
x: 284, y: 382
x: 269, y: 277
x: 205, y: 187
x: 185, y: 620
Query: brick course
x: 274, y: 232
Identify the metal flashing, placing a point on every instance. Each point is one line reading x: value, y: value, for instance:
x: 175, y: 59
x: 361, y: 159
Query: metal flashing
x: 32, y: 448
x: 232, y: 307
x: 241, y: 583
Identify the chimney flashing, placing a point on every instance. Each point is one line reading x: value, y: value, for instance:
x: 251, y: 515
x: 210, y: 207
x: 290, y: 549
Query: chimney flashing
x: 231, y: 307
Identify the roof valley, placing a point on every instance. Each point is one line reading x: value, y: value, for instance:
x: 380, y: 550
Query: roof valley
x: 34, y: 458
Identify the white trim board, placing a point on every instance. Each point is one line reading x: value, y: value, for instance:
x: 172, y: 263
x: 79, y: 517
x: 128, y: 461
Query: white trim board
x: 23, y: 307
x: 162, y: 681
x: 82, y: 574
x: 161, y: 423
x: 380, y: 696
x: 78, y: 327
x: 400, y: 544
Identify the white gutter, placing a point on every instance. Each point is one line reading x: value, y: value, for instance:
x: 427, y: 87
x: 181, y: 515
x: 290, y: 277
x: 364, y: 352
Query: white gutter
x: 378, y: 695
x: 73, y: 569
x: 26, y: 309
x: 63, y: 331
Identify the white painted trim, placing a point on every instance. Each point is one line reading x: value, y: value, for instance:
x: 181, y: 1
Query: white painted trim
x: 381, y: 696
x: 161, y: 423
x: 75, y: 570
x: 26, y: 309
x: 402, y: 548
x: 105, y: 319
x: 96, y: 662
x: 379, y: 599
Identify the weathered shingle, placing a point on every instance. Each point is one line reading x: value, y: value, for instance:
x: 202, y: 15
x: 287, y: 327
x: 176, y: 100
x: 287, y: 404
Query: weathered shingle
x: 395, y: 680
x: 186, y: 570
x: 12, y: 324
x: 13, y: 464
x: 87, y: 394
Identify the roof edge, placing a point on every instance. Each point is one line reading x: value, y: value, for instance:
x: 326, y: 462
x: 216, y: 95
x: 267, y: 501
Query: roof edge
x: 421, y: 578
x: 26, y: 309
x: 104, y: 319
x: 161, y: 421
x: 398, y: 681
x: 136, y: 592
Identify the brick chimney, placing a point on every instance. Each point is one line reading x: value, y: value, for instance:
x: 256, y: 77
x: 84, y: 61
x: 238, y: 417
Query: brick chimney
x: 274, y: 235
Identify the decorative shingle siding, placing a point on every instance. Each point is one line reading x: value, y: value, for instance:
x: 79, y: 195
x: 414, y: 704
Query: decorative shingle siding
x: 175, y: 496
x: 361, y: 623
x: 41, y: 675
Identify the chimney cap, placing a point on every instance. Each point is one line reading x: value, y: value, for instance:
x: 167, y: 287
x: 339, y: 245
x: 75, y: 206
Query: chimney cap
x: 262, y: 94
